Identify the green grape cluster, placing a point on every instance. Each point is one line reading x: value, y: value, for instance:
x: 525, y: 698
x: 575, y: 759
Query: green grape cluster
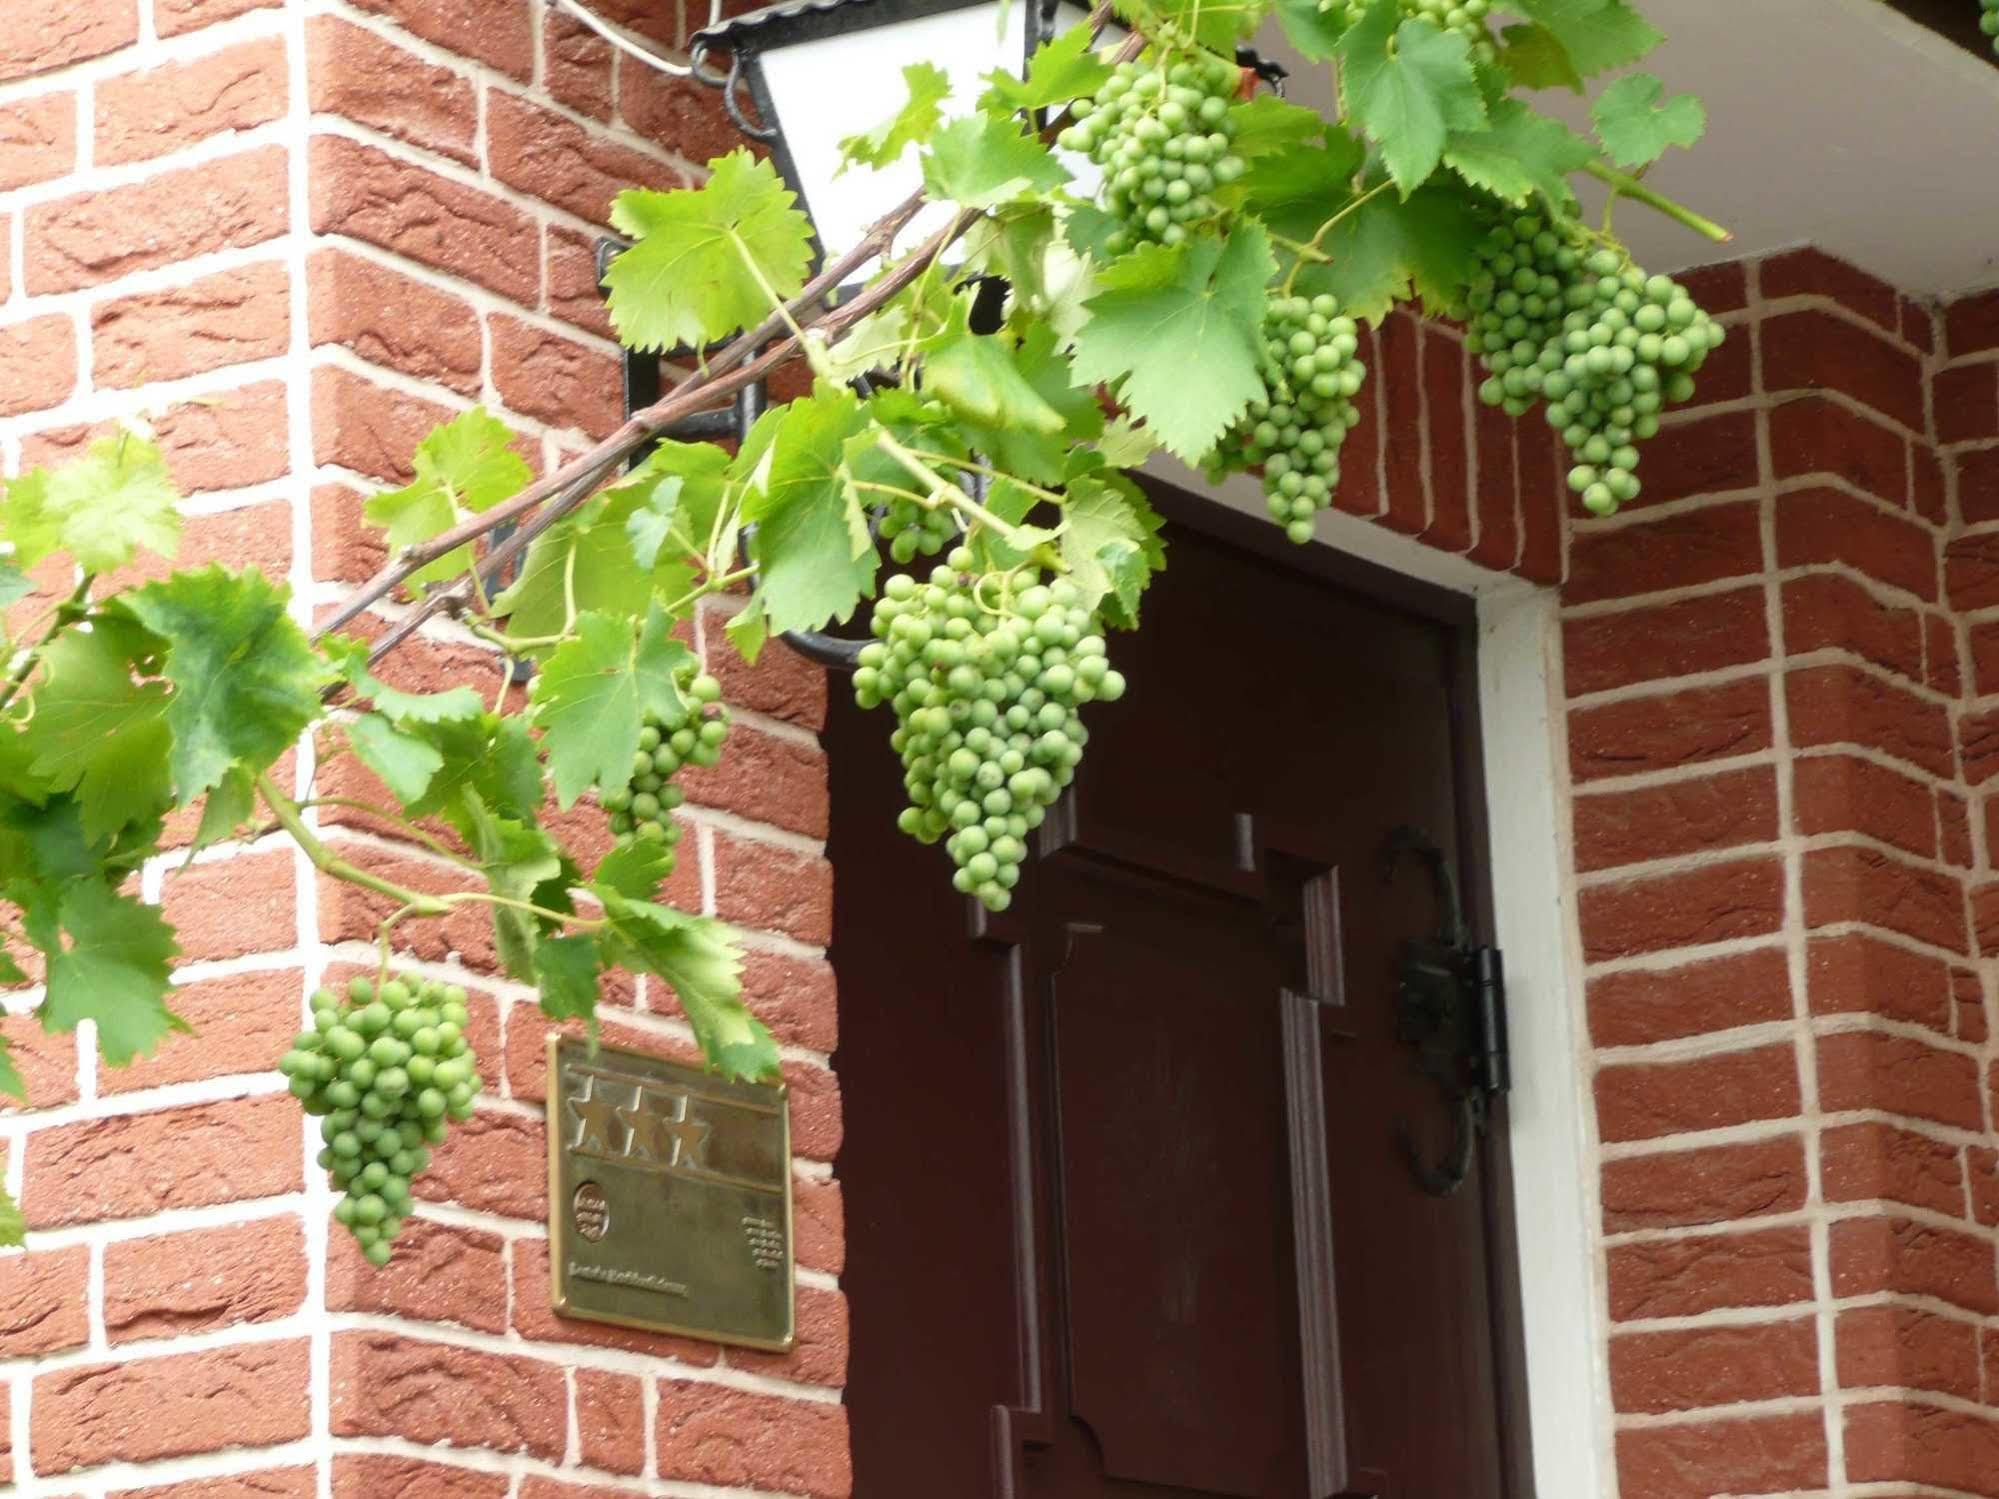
x: 1604, y: 346
x: 387, y: 1072
x: 1311, y: 374
x: 1163, y: 136
x: 1989, y: 22
x: 912, y: 530
x: 643, y: 807
x: 1465, y: 17
x: 985, y: 686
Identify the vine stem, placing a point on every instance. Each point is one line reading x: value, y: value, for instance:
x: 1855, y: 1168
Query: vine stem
x: 1623, y: 184
x: 285, y: 810
x: 72, y: 609
x: 1313, y: 249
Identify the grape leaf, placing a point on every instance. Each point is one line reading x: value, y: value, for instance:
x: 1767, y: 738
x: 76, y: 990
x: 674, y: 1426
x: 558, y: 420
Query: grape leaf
x: 15, y: 585
x: 1521, y: 153
x: 811, y: 546
x: 1387, y: 249
x: 686, y: 278
x: 1597, y: 35
x: 490, y: 757
x: 13, y: 1226
x: 1314, y: 29
x: 1636, y: 122
x: 1297, y: 191
x: 228, y: 806
x: 13, y: 1084
x: 565, y: 970
x: 650, y: 524
x: 1177, y: 330
x: 1534, y: 59
x: 635, y: 869
x: 350, y: 659
x: 1035, y: 456
x: 977, y: 376
x: 100, y: 731
x: 592, y: 695
x: 405, y: 763
x: 517, y: 858
x: 699, y: 958
x: 979, y: 161
x: 1062, y: 68
x: 113, y: 970
x: 929, y: 85
x: 1268, y: 124
x: 246, y: 683
x: 1408, y: 87
x: 100, y: 508
x: 1111, y: 543
x: 463, y: 467
x: 1214, y: 24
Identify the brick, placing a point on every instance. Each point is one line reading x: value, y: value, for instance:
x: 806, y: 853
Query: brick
x: 170, y: 1285
x: 1982, y: 1167
x: 1829, y: 612
x: 610, y: 1421
x: 1678, y: 551
x: 1985, y: 918
x: 1922, y: 1444
x: 1670, y: 729
x: 228, y: 440
x: 1856, y: 972
x: 1847, y: 705
x: 1872, y: 1255
x: 1908, y: 1348
x: 1696, y: 1461
x: 495, y: 1163
x: 558, y: 380
x: 574, y: 293
x: 1971, y: 324
x: 499, y: 32
x: 794, y: 996
x: 577, y: 66
x: 390, y: 1386
x: 561, y: 162
x: 42, y: 1297
x: 782, y: 683
x: 1682, y: 817
x: 440, y: 1273
x: 1927, y: 494
x: 728, y: 1438
x: 1684, y: 1370
x: 249, y: 536
x: 1701, y: 455
x: 816, y: 1123
x: 241, y: 1021
x: 766, y: 779
x: 1967, y: 402
x: 1544, y: 499
x: 253, y: 1395
x: 1919, y: 326
x: 536, y: 1320
x: 134, y: 1165
x: 684, y: 116
x: 228, y: 318
x: 1971, y: 571
x: 393, y: 320
x: 368, y: 1476
x: 231, y: 907
x: 1814, y: 350
x: 1813, y: 273
x: 364, y: 77
x: 266, y: 1483
x: 161, y: 109
x: 1942, y: 668
x: 1712, y: 1185
x: 1496, y: 492
x: 36, y: 38
x: 1842, y: 794
x: 1729, y: 373
x: 367, y: 194
x: 1828, y: 525
x: 773, y: 888
x: 1637, y: 1006
x: 1898, y: 1075
x: 368, y: 427
x: 1815, y: 435
x: 1720, y: 288
x: 1713, y: 903
x: 96, y: 237
x: 1978, y: 485
x: 1979, y: 746
x: 37, y: 139
x: 1400, y: 378
x: 1444, y: 377
x: 1359, y: 489
x: 1710, y: 633
x: 1644, y: 1100
x: 820, y: 1224
x: 37, y: 364
x: 47, y: 1064
x: 1865, y: 885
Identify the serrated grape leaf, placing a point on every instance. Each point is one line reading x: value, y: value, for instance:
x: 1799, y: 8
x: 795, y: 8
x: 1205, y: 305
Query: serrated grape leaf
x: 101, y: 507
x: 976, y: 375
x: 228, y: 806
x: 1268, y: 124
x: 1178, y: 331
x: 463, y: 467
x: 1295, y: 193
x: 1408, y: 85
x: 808, y: 518
x: 1111, y: 544
x: 1636, y: 122
x: 10, y: 971
x: 490, y: 757
x: 1214, y: 24
x: 1388, y: 249
x: 635, y: 869
x: 517, y: 859
x: 1062, y: 68
x: 13, y: 1226
x: 929, y: 86
x: 13, y: 1084
x: 1124, y: 444
x: 1597, y: 35
x: 246, y: 683
x: 686, y: 278
x: 593, y: 694
x: 112, y: 968
x: 1039, y: 457
x: 1534, y: 59
x: 405, y: 763
x: 1314, y: 29
x: 979, y: 161
x: 350, y: 659
x: 1521, y: 152
x: 15, y: 585
x: 100, y: 731
x: 698, y: 957
x: 748, y: 630
x: 565, y: 971
x: 650, y: 524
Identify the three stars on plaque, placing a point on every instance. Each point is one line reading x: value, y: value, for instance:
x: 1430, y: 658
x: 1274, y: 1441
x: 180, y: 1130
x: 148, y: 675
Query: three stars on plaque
x: 656, y: 1130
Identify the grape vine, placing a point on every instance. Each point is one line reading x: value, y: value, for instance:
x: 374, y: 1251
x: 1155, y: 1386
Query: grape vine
x: 1204, y: 301
x: 1988, y: 22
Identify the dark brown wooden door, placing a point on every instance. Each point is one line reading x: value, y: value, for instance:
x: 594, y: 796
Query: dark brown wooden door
x: 1127, y: 1212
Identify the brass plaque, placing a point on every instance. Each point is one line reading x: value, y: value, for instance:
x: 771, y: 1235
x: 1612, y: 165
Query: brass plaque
x: 669, y: 1204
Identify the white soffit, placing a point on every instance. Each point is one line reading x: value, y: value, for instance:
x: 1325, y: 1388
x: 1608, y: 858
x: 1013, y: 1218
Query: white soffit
x: 1837, y: 123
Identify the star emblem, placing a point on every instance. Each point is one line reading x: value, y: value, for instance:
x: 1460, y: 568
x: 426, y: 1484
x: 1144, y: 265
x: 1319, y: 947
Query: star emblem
x: 662, y: 1133
x: 596, y: 1121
